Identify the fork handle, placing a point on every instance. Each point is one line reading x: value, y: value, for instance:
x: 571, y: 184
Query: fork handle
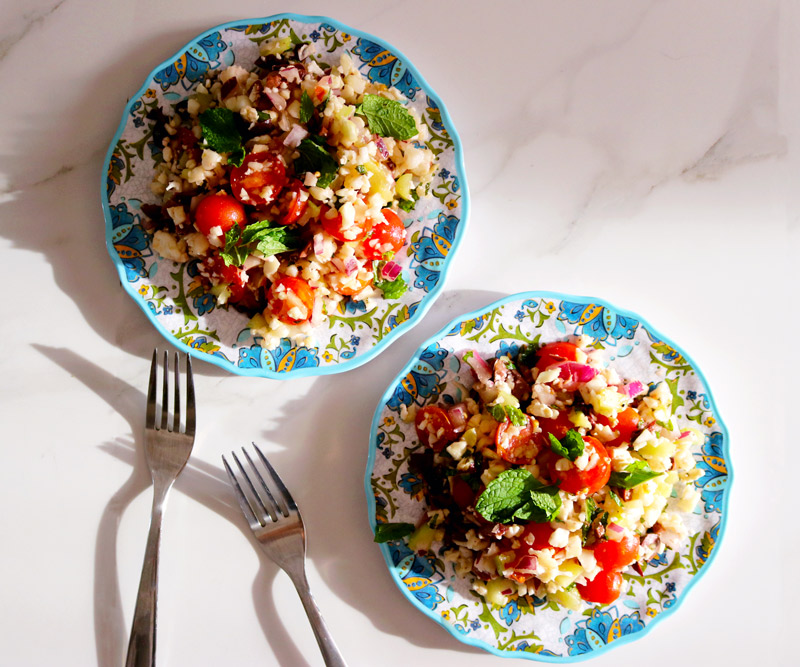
x: 328, y: 648
x: 142, y: 645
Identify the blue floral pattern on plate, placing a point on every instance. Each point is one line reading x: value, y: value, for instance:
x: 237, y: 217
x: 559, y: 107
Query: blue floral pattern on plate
x: 171, y: 295
x: 533, y: 628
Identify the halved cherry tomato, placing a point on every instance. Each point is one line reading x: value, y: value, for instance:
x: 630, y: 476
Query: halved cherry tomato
x: 604, y: 588
x: 558, y: 427
x: 345, y: 286
x: 540, y: 532
x: 552, y: 353
x: 388, y: 235
x: 291, y: 300
x: 516, y: 444
x: 613, y: 555
x: 294, y: 203
x: 259, y: 180
x: 434, y: 427
x: 219, y: 210
x: 332, y: 223
x: 587, y: 481
x: 627, y: 424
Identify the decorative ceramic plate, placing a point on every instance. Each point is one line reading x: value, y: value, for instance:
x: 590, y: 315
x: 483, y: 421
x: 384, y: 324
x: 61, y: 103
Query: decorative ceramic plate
x: 540, y: 629
x: 170, y: 294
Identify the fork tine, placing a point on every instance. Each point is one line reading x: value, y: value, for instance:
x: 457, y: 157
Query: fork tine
x: 150, y: 417
x: 288, y: 503
x: 242, y: 498
x: 269, y: 503
x: 261, y: 509
x: 176, y: 410
x: 190, y: 412
x: 165, y: 393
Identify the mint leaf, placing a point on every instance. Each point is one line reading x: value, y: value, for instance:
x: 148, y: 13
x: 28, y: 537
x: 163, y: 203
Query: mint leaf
x: 636, y: 473
x: 517, y: 494
x: 219, y: 130
x: 543, y: 506
x: 306, y: 108
x: 591, y: 510
x: 571, y: 445
x: 528, y: 356
x: 316, y: 159
x: 614, y: 497
x: 392, y: 289
x: 386, y: 532
x: 503, y: 412
x: 236, y: 157
x: 505, y: 495
x: 262, y: 236
x: 387, y: 118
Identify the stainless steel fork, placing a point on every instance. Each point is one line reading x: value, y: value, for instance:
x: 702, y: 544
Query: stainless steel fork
x: 167, y: 446
x: 276, y: 522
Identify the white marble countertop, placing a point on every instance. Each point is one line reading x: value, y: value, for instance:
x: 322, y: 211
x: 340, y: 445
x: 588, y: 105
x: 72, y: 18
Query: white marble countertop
x: 635, y: 151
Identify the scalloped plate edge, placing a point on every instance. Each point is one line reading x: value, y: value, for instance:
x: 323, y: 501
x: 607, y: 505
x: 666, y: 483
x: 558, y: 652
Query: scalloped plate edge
x: 371, y: 507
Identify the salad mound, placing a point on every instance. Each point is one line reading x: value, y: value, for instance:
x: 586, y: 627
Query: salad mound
x: 553, y: 478
x: 287, y: 185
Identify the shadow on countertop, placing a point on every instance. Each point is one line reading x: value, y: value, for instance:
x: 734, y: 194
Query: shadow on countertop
x: 323, y: 441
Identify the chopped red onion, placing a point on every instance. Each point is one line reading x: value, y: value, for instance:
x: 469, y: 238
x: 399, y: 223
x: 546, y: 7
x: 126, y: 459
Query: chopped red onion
x: 319, y: 245
x: 526, y: 565
x: 295, y: 136
x: 351, y: 266
x: 251, y: 261
x: 338, y: 263
x: 615, y: 532
x: 277, y: 101
x: 382, y: 148
x: 577, y: 372
x: 684, y: 434
x: 391, y: 270
x: 458, y: 417
x: 477, y: 364
x: 635, y: 388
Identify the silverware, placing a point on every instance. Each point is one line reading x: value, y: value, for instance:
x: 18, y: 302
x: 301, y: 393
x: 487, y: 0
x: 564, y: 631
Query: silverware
x: 167, y: 446
x: 277, y: 525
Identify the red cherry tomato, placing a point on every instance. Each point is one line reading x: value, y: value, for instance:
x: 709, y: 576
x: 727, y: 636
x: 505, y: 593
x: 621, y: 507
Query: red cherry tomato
x: 627, y: 424
x: 553, y: 353
x: 613, y: 555
x: 516, y: 444
x: 345, y: 286
x: 294, y: 203
x: 434, y: 428
x: 235, y: 278
x: 389, y: 235
x: 587, y: 481
x: 287, y: 294
x: 332, y: 224
x: 259, y: 180
x: 603, y: 589
x: 219, y: 210
x: 540, y: 533
x: 558, y: 427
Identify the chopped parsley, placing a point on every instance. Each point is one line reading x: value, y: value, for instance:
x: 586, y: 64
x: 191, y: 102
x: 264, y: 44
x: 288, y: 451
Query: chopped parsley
x: 387, y: 118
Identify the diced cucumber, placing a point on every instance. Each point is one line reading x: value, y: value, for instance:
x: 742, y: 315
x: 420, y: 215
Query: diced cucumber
x: 422, y: 538
x: 570, y: 599
x: 403, y: 186
x: 570, y: 570
x: 494, y: 591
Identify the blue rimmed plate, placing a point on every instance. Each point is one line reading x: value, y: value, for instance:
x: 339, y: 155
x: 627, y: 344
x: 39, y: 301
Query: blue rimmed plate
x: 169, y: 293
x: 539, y: 629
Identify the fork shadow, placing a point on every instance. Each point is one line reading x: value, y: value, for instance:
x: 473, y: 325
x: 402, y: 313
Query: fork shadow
x: 204, y: 483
